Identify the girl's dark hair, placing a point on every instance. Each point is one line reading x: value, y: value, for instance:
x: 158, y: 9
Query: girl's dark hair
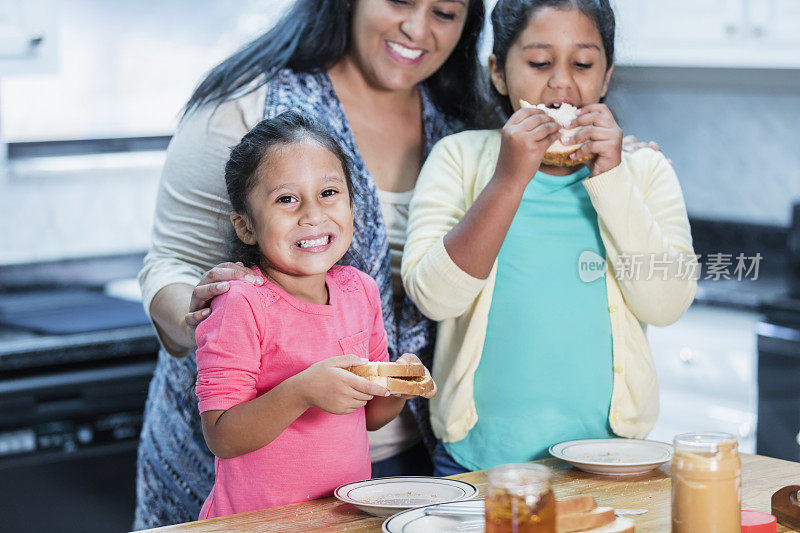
x: 510, y: 17
x: 315, y: 34
x: 241, y: 169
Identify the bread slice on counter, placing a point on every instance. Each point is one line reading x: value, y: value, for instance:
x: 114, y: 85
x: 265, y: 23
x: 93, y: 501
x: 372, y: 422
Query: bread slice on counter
x: 576, y: 504
x: 597, y: 517
x: 581, y: 513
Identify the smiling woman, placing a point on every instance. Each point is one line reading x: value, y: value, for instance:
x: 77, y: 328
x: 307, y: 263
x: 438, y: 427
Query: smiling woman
x: 387, y: 79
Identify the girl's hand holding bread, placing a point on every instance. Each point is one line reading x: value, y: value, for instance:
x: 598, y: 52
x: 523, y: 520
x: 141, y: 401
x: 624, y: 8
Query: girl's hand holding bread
x: 602, y: 136
x: 407, y: 376
x: 524, y: 139
x: 329, y: 386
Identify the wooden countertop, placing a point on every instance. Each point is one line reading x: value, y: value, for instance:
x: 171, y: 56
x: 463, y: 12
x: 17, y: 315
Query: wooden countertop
x: 761, y: 477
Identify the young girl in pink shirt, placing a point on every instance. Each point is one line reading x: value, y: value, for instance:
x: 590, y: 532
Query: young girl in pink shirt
x: 284, y: 417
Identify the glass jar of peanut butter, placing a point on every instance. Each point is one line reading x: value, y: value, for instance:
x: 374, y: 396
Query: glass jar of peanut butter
x: 706, y: 484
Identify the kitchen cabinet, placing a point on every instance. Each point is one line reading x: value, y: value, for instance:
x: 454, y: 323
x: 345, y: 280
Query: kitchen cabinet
x: 707, y: 374
x: 708, y: 33
x: 28, y: 37
x: 775, y: 22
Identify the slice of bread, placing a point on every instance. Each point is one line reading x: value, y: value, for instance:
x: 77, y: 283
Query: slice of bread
x: 396, y: 370
x: 558, y: 154
x: 413, y: 386
x: 562, y: 159
x: 575, y: 504
x: 597, y: 517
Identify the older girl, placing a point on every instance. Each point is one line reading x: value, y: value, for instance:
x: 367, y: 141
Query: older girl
x: 529, y: 352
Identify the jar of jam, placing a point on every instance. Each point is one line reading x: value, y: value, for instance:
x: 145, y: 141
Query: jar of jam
x: 520, y: 500
x: 706, y: 484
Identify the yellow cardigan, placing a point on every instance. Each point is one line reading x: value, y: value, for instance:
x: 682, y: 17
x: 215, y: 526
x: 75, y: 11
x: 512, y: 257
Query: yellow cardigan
x: 640, y: 210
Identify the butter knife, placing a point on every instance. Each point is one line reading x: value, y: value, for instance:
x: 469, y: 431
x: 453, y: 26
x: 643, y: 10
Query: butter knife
x: 630, y: 512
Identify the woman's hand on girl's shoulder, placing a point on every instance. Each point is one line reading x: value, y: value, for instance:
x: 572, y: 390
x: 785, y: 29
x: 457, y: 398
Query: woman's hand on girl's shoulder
x: 601, y: 136
x: 631, y: 144
x: 525, y: 138
x: 329, y: 386
x: 213, y: 283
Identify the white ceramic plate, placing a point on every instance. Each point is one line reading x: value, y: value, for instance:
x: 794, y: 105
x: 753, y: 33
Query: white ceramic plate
x: 389, y: 495
x: 617, y: 457
x: 416, y: 521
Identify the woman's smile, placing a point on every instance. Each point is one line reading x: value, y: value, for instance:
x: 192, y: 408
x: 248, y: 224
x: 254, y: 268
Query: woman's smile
x: 396, y: 44
x: 404, y: 54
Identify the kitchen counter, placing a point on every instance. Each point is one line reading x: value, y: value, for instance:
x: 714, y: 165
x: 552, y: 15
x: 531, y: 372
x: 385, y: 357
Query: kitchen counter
x: 761, y: 477
x: 21, y: 349
x: 747, y: 294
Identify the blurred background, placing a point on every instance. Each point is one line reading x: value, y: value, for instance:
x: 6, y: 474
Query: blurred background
x: 90, y: 92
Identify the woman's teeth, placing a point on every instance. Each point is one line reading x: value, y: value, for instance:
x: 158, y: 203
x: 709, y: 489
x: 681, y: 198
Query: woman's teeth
x: 322, y: 241
x: 402, y: 51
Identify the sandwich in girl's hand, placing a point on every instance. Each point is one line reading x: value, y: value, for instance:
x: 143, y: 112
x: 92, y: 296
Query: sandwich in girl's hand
x: 404, y: 377
x: 557, y: 154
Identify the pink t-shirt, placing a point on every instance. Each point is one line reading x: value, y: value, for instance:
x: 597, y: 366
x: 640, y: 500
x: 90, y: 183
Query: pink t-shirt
x: 255, y: 338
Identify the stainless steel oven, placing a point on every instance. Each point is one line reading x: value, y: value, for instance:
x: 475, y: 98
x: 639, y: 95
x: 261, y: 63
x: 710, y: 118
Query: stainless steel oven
x: 778, y: 433
x: 70, y: 420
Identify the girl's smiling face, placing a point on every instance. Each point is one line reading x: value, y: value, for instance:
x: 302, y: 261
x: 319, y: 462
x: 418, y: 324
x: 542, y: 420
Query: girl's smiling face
x: 399, y: 43
x: 300, y: 210
x: 557, y: 58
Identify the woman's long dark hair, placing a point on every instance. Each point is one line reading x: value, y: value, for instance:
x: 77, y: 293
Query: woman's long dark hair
x: 316, y: 33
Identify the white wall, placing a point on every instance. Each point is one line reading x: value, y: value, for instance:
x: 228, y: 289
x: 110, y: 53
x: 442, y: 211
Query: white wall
x: 125, y: 69
x: 731, y: 133
x: 75, y: 216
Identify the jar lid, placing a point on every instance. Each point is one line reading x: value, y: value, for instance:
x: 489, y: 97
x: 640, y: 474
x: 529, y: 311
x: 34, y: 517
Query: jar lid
x: 705, y: 443
x: 521, y: 478
x: 757, y: 522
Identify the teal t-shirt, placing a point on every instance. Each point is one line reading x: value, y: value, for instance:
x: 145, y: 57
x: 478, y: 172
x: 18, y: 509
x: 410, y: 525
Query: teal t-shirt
x: 546, y: 371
